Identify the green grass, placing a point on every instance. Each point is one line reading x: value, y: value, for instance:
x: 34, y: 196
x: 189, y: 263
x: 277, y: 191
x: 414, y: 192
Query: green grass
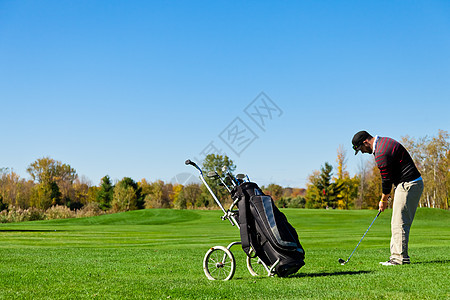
x: 157, y: 254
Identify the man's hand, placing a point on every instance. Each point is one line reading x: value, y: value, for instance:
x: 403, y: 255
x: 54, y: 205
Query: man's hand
x: 384, y: 202
x: 382, y: 206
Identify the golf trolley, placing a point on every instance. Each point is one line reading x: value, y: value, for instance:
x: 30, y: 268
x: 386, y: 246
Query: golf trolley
x: 219, y: 262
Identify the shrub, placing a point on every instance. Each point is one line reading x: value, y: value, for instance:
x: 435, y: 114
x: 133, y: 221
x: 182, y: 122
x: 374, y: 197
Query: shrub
x: 90, y: 210
x: 59, y: 212
x: 17, y: 214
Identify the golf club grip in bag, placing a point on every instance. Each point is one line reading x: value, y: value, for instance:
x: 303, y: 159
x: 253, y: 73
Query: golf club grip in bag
x: 265, y: 229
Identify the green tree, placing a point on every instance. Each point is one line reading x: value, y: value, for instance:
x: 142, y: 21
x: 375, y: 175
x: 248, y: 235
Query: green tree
x: 329, y: 195
x: 292, y: 202
x: 105, y: 193
x: 216, y: 163
x: 322, y: 192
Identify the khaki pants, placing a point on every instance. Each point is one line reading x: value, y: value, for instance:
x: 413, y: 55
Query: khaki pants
x: 406, y: 200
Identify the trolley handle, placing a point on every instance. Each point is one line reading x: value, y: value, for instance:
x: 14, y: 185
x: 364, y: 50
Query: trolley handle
x: 190, y: 162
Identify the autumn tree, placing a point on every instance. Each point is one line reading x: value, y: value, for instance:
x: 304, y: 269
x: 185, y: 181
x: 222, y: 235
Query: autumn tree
x: 45, y: 195
x: 370, y: 188
x: 292, y: 198
x: 191, y: 193
x: 188, y: 196
x: 349, y: 191
x: 363, y: 175
x: 54, y: 178
x: 341, y: 161
x: 126, y: 196
x: 46, y: 169
x: 15, y: 191
x: 168, y: 192
x: 158, y: 195
x: 312, y: 195
x: 92, y: 195
x: 273, y: 190
x: 177, y: 191
x: 431, y: 156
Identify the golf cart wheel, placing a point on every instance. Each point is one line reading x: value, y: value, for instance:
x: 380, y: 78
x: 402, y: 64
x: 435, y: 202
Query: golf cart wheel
x: 219, y: 264
x: 255, y: 265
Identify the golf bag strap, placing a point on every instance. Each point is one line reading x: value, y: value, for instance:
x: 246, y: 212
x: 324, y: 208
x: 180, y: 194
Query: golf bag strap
x: 243, y: 213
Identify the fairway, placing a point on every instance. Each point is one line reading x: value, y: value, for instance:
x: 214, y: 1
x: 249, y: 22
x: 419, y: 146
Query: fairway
x: 157, y: 254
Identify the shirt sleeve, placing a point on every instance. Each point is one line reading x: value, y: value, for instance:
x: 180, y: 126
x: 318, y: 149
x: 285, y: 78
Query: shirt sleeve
x: 385, y: 172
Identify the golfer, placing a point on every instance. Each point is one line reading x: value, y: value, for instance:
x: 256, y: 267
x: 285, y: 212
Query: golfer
x: 396, y: 168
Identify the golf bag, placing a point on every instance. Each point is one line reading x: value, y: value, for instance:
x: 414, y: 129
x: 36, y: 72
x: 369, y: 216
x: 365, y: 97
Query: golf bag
x: 266, y: 230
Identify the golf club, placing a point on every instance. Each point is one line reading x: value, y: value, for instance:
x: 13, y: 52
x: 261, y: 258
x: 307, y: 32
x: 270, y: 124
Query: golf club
x: 343, y: 262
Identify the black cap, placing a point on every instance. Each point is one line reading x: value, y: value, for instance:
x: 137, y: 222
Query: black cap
x: 358, y: 140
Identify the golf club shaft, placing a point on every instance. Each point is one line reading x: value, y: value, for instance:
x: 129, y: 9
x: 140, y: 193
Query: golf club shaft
x: 379, y: 212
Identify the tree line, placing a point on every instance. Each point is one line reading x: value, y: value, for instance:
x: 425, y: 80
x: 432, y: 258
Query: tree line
x: 56, y: 184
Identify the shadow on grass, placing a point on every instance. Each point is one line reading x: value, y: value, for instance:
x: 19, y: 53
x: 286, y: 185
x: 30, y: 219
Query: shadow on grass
x: 312, y: 275
x: 432, y: 262
x: 29, y: 230
x: 300, y: 275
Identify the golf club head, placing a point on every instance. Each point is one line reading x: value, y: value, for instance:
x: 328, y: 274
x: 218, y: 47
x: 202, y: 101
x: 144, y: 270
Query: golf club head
x: 213, y: 174
x: 240, y: 176
x: 341, y: 261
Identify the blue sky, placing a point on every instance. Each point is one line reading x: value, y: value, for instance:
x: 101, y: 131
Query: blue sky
x: 133, y: 88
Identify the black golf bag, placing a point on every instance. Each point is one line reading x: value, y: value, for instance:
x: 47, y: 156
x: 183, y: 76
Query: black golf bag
x: 266, y: 230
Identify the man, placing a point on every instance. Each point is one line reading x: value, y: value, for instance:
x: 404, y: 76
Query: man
x: 396, y: 168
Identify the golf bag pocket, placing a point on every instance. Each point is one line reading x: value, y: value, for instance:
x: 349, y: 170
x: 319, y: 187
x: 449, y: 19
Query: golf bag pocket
x: 274, y: 223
